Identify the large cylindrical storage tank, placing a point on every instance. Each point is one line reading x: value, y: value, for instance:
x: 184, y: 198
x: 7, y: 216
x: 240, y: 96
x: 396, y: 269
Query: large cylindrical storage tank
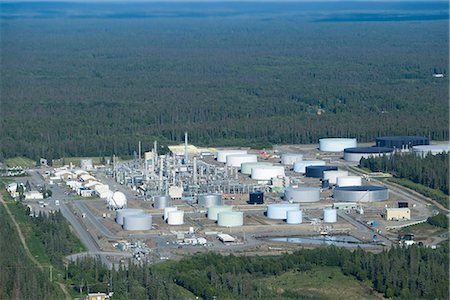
x: 207, y: 200
x: 235, y: 160
x: 329, y: 215
x: 302, y: 194
x: 137, y: 222
x: 355, y: 154
x: 175, y: 217
x: 290, y: 158
x: 267, y: 172
x: 423, y: 151
x: 230, y: 219
x: 336, y: 144
x: 222, y: 154
x: 294, y: 217
x: 332, y: 176
x: 246, y: 168
x: 278, y: 211
x: 167, y: 210
x: 300, y: 166
x: 401, y: 142
x: 161, y: 201
x: 213, y: 211
x: 349, y: 181
x: 317, y: 171
x: 121, y: 213
x: 364, y: 193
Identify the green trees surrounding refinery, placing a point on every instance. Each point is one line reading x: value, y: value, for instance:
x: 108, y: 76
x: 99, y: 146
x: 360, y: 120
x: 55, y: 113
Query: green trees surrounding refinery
x: 90, y: 88
x: 400, y: 273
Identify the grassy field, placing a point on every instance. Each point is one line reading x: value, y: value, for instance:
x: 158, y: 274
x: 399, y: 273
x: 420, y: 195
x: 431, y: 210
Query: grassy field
x: 20, y: 162
x: 423, y: 229
x: 318, y: 283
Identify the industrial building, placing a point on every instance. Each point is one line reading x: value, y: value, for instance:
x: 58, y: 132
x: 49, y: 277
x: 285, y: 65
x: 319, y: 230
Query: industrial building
x: 397, y: 214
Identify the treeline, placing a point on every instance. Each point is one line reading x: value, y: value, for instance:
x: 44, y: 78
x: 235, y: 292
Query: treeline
x: 83, y: 88
x: 20, y: 278
x: 401, y: 273
x: 431, y: 171
x: 55, y: 235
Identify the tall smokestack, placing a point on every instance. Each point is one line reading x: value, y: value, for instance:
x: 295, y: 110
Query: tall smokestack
x: 139, y: 150
x: 185, y: 147
x: 194, y: 170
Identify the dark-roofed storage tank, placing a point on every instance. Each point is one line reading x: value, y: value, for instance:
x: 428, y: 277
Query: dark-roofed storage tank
x: 355, y: 154
x: 401, y: 142
x: 317, y: 171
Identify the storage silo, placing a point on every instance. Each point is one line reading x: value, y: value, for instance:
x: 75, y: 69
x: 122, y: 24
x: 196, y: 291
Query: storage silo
x: 267, y: 172
x: 161, y: 201
x: 175, y: 217
x: 137, y: 222
x: 235, y: 160
x: 256, y: 198
x: 401, y: 142
x: 329, y: 215
x: 349, y: 181
x: 230, y: 219
x: 290, y: 158
x: 222, y: 154
x: 213, y: 211
x: 423, y: 151
x: 332, y: 176
x: 317, y: 171
x: 117, y: 200
x: 300, y: 166
x: 294, y: 217
x: 278, y: 211
x: 355, y: 154
x: 336, y: 144
x: 302, y: 194
x: 167, y: 210
x: 364, y: 193
x: 121, y: 213
x: 246, y: 168
x: 207, y: 200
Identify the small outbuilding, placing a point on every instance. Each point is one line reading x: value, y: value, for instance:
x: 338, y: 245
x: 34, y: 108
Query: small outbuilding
x: 398, y: 214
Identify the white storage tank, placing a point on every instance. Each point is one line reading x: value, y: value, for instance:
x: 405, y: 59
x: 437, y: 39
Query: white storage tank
x: 175, y: 217
x: 290, y: 158
x: 302, y: 194
x: 207, y: 200
x: 424, y: 150
x: 235, y: 160
x: 161, y: 201
x: 332, y: 175
x: 87, y: 164
x: 278, y: 211
x: 246, y: 168
x: 336, y: 144
x: 230, y: 219
x: 167, y: 210
x: 294, y: 217
x: 213, y: 211
x: 137, y: 222
x: 222, y: 154
x: 267, y: 172
x: 300, y: 166
x: 329, y: 215
x: 349, y: 181
x: 121, y: 213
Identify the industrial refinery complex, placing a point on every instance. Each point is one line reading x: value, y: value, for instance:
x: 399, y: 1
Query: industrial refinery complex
x: 158, y: 207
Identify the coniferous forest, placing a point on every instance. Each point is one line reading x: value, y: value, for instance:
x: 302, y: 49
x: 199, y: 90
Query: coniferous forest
x: 80, y: 80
